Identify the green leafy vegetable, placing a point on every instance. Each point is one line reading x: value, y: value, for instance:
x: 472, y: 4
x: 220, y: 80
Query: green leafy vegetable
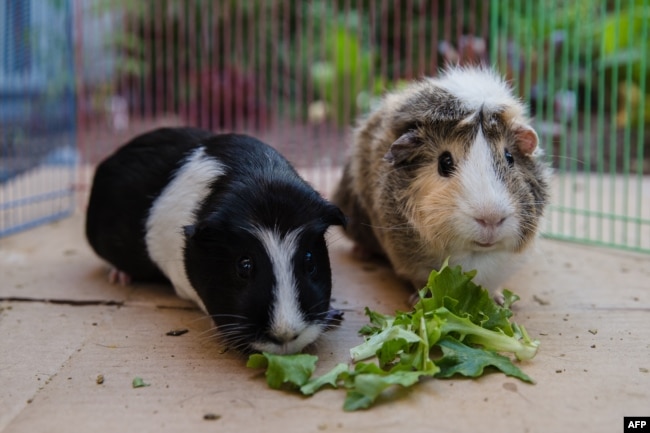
x: 294, y: 370
x: 453, y: 314
x: 138, y: 382
x: 377, y: 341
x: 331, y: 378
x: 509, y: 298
x: 369, y: 381
x: 497, y: 341
x: 459, y: 358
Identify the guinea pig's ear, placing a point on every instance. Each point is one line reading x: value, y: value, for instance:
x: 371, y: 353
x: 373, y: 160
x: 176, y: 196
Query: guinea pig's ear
x: 402, y: 148
x: 526, y: 139
x: 334, y: 216
x: 200, y: 232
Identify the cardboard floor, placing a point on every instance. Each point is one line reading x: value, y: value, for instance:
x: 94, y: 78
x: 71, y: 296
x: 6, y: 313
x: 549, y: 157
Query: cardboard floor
x: 62, y: 325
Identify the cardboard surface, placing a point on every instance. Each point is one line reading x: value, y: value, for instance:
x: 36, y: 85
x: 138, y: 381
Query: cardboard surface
x: 590, y: 308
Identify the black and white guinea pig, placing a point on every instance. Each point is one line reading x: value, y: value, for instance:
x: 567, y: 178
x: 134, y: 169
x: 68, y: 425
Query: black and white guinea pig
x: 448, y: 167
x: 228, y: 221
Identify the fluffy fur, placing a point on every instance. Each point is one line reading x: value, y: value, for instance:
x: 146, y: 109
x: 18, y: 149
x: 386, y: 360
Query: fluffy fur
x: 229, y: 222
x: 483, y: 212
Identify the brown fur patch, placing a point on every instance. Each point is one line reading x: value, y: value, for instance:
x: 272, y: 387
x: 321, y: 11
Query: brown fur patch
x: 431, y: 203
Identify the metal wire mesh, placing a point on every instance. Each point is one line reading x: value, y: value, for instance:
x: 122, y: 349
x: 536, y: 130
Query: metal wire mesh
x: 584, y: 71
x: 297, y: 73
x: 37, y: 114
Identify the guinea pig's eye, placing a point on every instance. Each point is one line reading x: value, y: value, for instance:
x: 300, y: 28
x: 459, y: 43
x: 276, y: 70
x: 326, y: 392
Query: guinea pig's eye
x: 244, y: 267
x: 510, y: 158
x: 445, y: 164
x: 310, y: 265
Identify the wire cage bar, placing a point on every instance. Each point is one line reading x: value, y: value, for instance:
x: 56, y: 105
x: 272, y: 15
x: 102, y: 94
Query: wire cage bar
x: 298, y: 73
x: 38, y: 155
x: 584, y: 73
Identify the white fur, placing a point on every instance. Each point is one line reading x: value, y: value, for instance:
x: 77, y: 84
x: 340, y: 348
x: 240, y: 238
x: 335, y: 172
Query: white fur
x: 477, y: 87
x: 174, y: 209
x: 484, y: 197
x: 287, y: 321
x: 493, y: 268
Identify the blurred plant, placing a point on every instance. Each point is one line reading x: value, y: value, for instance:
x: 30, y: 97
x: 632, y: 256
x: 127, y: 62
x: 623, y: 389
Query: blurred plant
x: 342, y: 74
x: 371, y: 47
x: 624, y: 47
x: 231, y: 97
x: 615, y: 42
x: 170, y: 50
x: 334, y: 57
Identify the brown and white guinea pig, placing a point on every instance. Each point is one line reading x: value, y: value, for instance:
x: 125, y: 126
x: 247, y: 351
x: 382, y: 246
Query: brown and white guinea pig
x: 448, y: 167
x: 229, y: 222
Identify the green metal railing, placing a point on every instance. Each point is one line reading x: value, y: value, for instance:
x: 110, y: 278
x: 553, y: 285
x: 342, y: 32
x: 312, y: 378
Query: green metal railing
x: 296, y: 73
x: 583, y: 67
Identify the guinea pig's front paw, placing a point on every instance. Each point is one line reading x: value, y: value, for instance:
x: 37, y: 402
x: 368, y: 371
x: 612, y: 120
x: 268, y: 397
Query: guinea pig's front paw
x: 361, y: 253
x: 115, y: 276
x: 499, y: 297
x: 414, y: 299
x: 333, y: 319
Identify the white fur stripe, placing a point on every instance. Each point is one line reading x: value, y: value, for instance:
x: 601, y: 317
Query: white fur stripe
x: 477, y: 87
x: 484, y: 194
x: 287, y: 320
x: 174, y: 209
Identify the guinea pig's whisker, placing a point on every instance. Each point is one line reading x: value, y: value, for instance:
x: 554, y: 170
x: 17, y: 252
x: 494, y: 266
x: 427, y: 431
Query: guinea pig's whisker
x: 318, y: 305
x: 224, y: 330
x: 235, y: 316
x: 232, y: 325
x: 211, y: 332
x: 213, y: 316
x: 229, y: 327
x: 236, y: 338
x: 201, y: 318
x: 213, y: 336
x: 241, y: 346
x: 323, y: 316
x: 396, y: 227
x: 229, y: 339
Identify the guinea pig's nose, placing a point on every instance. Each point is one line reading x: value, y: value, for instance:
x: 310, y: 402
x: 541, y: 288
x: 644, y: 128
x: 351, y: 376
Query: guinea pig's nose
x: 283, y: 337
x: 490, y: 221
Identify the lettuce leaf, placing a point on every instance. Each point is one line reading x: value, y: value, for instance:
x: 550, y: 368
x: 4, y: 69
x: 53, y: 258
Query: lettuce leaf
x: 454, y: 315
x: 369, y: 380
x: 332, y: 378
x: 292, y: 371
x: 378, y: 340
x: 454, y: 290
x: 459, y: 358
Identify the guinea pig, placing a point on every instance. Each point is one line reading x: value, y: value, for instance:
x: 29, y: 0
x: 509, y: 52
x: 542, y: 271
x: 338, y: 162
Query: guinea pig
x: 449, y: 167
x: 229, y: 222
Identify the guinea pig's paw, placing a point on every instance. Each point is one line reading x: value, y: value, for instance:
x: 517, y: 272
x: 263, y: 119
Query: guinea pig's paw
x: 115, y: 276
x: 360, y: 252
x: 333, y: 319
x: 499, y: 297
x: 414, y: 299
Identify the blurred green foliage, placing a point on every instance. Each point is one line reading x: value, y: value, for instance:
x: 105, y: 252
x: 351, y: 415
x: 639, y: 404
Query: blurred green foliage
x: 346, y: 53
x: 611, y: 36
x: 343, y: 53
